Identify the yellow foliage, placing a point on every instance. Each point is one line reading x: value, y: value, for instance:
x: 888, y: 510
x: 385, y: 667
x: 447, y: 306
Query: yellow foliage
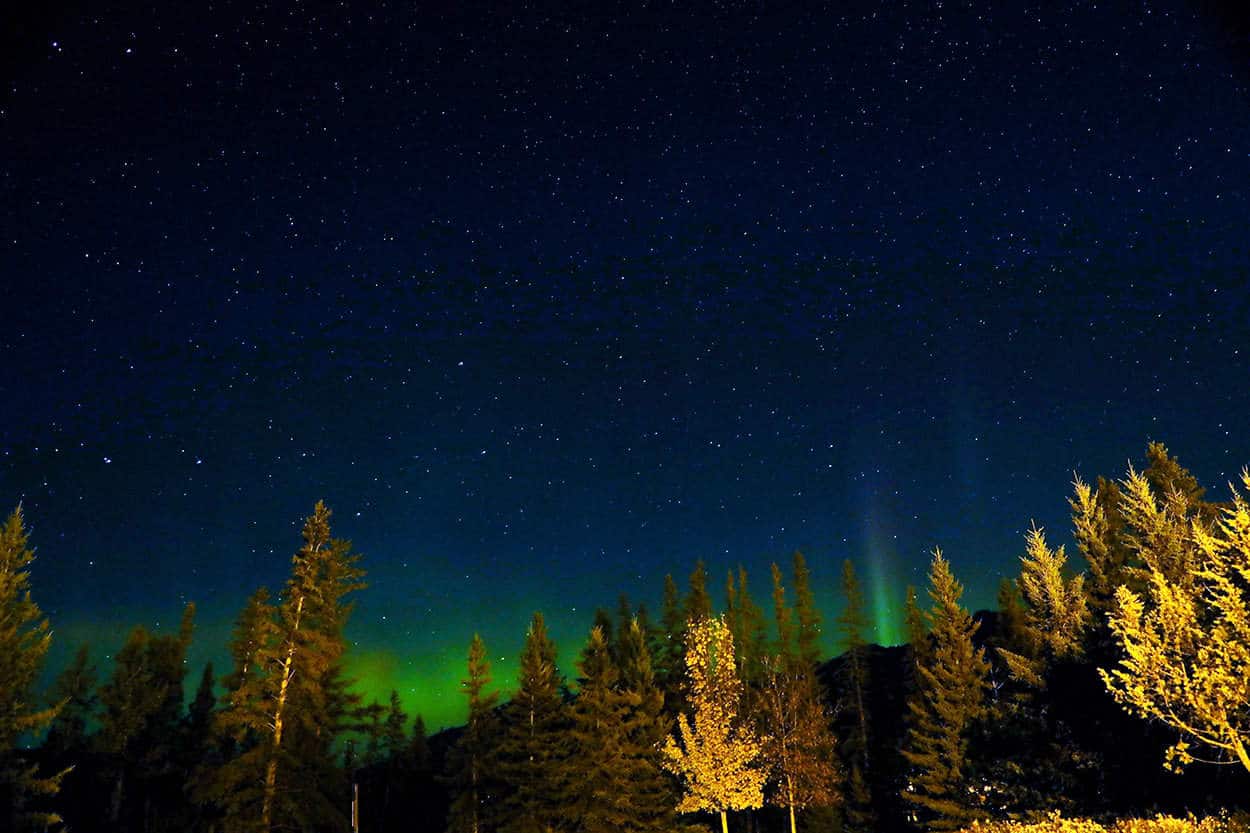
x: 1054, y: 823
x: 1186, y: 639
x: 717, y: 756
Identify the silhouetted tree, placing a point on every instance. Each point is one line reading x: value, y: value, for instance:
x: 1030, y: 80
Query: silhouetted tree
x: 951, y: 697
x: 472, y: 765
x: 534, y: 743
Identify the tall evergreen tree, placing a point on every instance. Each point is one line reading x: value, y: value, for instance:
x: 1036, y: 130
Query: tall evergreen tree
x: 613, y: 775
x: 783, y: 616
x: 74, y: 690
x: 24, y: 641
x: 533, y: 747
x: 852, y: 689
x: 914, y: 624
x: 472, y: 773
x: 142, y: 713
x: 698, y: 604
x: 291, y: 702
x: 806, y: 614
x: 715, y: 754
x: 670, y: 658
x: 950, y: 699
x: 1051, y: 625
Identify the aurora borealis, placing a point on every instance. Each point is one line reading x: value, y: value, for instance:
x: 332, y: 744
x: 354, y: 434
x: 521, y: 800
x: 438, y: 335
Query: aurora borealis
x: 549, y: 303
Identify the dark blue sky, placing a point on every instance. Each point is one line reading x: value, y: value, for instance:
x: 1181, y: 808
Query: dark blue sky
x: 549, y: 302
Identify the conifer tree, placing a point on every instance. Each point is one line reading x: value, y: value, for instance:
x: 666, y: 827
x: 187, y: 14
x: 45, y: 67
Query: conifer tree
x: 806, y: 614
x: 670, y: 658
x: 74, y: 689
x: 472, y: 775
x: 783, y: 616
x: 852, y: 623
x: 1186, y: 637
x: 24, y: 641
x: 698, y: 604
x: 533, y: 747
x: 950, y: 699
x: 715, y: 754
x: 418, y: 754
x: 1051, y: 625
x: 612, y: 775
x: 140, y: 722
x: 394, y: 729
x: 651, y: 788
x: 749, y: 630
x: 913, y: 622
x: 291, y: 701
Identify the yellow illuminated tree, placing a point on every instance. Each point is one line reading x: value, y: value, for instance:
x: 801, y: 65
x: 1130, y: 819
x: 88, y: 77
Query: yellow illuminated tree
x: 1053, y: 620
x: 1186, y: 636
x: 715, y: 755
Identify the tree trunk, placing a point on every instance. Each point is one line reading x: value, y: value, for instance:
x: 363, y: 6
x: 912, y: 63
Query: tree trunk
x: 793, y: 829
x: 271, y: 766
x: 115, y: 806
x: 724, y: 823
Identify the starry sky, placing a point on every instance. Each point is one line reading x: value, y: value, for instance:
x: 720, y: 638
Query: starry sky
x: 547, y: 301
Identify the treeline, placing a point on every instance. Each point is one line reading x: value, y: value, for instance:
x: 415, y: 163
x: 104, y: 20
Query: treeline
x: 699, y: 716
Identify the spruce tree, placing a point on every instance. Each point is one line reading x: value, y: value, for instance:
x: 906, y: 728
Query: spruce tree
x: 291, y: 701
x: 74, y: 690
x: 853, y: 688
x: 751, y: 640
x: 612, y: 772
x: 1051, y: 625
x: 806, y: 614
x: 24, y: 641
x: 950, y: 699
x: 140, y: 723
x: 698, y: 604
x: 472, y: 772
x: 917, y: 630
x: 670, y: 657
x: 783, y: 617
x: 533, y: 747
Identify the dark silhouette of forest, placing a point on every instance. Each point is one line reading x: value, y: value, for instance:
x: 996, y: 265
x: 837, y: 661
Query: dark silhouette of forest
x: 1110, y: 683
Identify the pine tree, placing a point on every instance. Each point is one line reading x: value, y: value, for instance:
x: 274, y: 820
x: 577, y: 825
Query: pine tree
x: 533, y: 747
x: 783, y: 616
x: 751, y: 634
x: 853, y: 688
x: 670, y: 662
x: 806, y: 613
x: 648, y: 727
x: 950, y: 699
x: 394, y: 729
x: 1186, y: 638
x: 74, y: 689
x: 24, y: 641
x: 612, y: 776
x: 715, y: 755
x: 291, y: 701
x: 142, y: 711
x: 917, y: 630
x: 1051, y: 626
x: 698, y: 604
x: 472, y: 772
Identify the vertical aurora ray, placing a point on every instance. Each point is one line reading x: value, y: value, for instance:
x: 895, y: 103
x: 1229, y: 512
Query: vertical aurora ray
x: 880, y: 559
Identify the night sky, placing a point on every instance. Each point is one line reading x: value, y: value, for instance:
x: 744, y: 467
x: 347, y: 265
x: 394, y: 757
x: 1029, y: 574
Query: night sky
x: 548, y: 302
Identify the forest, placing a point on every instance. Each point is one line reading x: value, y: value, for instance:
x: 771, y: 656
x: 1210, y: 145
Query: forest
x: 1109, y: 691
